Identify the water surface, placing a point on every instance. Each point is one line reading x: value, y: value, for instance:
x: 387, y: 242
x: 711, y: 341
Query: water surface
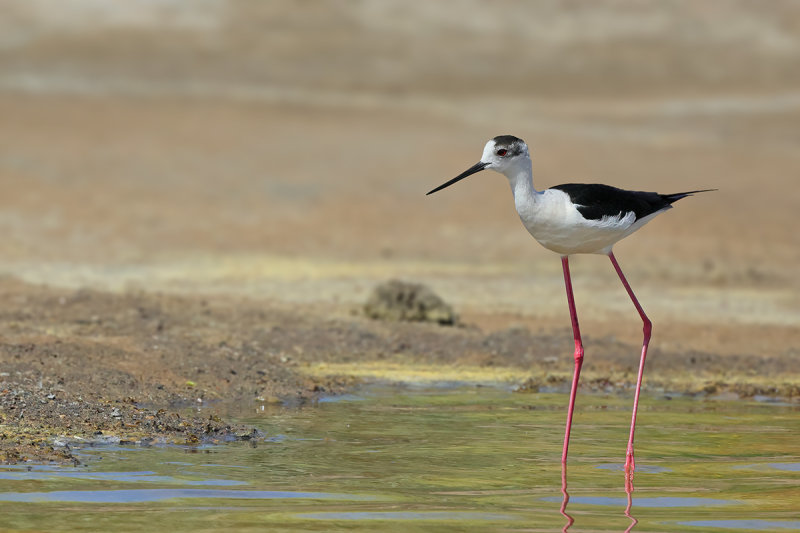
x: 438, y: 459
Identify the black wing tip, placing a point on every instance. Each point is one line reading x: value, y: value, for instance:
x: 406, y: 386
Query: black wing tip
x: 701, y: 190
x: 678, y: 195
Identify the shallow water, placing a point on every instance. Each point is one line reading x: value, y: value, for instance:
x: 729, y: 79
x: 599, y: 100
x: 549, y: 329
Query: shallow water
x: 441, y: 459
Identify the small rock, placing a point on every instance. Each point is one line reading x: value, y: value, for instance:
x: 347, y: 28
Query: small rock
x: 106, y: 440
x: 251, y: 435
x: 402, y: 301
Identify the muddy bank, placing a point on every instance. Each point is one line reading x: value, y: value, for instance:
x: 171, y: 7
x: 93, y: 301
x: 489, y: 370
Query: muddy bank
x: 85, y: 367
x: 80, y: 367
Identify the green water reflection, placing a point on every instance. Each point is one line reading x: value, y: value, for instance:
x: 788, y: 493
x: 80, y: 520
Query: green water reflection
x: 445, y: 459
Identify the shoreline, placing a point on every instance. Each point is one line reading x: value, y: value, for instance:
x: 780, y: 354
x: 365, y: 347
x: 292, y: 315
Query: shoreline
x: 83, y: 366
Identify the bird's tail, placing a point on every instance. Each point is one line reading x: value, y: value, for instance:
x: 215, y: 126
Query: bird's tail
x: 678, y: 195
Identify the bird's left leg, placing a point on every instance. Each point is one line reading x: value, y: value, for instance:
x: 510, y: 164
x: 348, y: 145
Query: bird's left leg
x: 647, y: 329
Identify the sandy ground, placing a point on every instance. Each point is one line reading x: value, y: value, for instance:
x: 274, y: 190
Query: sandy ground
x: 196, y: 202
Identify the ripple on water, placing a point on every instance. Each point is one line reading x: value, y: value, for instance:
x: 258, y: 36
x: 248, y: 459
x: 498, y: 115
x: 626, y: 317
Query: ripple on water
x: 657, y: 502
x: 132, y: 477
x: 153, y: 495
x: 749, y: 525
x: 640, y: 469
x: 406, y: 515
x: 785, y: 467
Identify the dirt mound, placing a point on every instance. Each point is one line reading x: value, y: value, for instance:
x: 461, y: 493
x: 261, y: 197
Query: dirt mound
x: 398, y: 300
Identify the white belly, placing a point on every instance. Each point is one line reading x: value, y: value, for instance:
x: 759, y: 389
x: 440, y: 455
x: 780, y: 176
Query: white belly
x: 558, y: 226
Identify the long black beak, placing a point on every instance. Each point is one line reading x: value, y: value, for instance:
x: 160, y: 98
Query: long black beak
x: 477, y: 167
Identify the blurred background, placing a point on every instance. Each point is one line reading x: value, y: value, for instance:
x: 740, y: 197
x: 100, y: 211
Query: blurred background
x: 282, y: 149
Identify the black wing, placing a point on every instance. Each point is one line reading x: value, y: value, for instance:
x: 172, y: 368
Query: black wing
x: 595, y: 201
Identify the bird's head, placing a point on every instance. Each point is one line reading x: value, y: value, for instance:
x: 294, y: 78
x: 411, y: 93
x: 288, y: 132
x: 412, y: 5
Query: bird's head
x: 505, y: 154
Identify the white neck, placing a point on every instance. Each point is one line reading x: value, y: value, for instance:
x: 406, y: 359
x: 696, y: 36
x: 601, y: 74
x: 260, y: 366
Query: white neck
x: 521, y: 181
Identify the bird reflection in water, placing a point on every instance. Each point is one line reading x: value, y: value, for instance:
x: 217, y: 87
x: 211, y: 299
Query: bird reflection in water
x: 565, y: 501
x: 629, y: 493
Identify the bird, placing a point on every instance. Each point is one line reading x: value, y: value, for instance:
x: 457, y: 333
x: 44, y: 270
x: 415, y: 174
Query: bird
x: 576, y: 218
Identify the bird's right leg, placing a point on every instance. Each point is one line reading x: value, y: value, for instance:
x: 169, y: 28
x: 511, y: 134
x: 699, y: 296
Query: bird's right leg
x: 578, y: 354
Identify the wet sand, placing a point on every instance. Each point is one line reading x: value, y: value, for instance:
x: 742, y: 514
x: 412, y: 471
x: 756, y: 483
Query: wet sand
x: 184, y: 228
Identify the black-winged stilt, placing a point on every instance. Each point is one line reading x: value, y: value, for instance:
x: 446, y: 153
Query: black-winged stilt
x: 576, y: 218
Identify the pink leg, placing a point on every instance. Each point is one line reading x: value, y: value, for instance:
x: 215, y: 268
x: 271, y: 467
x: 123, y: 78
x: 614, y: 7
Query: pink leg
x: 578, y: 354
x: 648, y: 328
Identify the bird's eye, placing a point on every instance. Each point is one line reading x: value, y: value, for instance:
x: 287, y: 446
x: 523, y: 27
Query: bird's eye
x: 501, y: 152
